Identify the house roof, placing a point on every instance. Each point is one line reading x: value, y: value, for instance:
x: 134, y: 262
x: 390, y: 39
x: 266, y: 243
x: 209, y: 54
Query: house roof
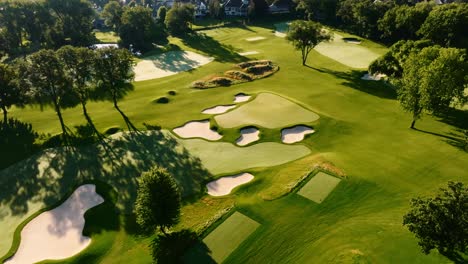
x: 236, y: 3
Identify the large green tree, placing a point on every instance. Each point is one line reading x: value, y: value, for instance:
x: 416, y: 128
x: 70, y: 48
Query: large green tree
x: 446, y: 25
x: 112, y: 14
x: 46, y: 77
x: 73, y: 22
x: 138, y: 29
x: 305, y: 35
x: 158, y: 200
x: 10, y: 93
x: 433, y: 79
x: 179, y: 17
x: 402, y: 22
x: 441, y: 222
x: 78, y: 65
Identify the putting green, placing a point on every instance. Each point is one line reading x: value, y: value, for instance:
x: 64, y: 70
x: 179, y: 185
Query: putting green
x: 222, y: 157
x: 349, y: 54
x: 319, y: 187
x: 267, y: 110
x: 229, y: 235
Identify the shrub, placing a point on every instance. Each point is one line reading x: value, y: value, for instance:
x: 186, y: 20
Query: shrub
x: 221, y: 81
x: 238, y: 75
x: 172, y: 93
x: 152, y: 127
x: 112, y: 130
x: 247, y: 64
x: 259, y: 69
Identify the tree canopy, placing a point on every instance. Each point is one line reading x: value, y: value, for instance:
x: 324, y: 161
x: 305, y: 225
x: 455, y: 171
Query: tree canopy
x: 10, y: 92
x: 305, y: 35
x: 158, y: 200
x: 441, y: 222
x: 432, y: 80
x: 179, y: 17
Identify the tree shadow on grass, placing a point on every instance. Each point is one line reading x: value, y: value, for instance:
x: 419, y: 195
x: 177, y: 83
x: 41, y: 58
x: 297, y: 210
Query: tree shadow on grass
x: 206, y: 44
x: 353, y: 80
x: 49, y: 175
x: 16, y: 141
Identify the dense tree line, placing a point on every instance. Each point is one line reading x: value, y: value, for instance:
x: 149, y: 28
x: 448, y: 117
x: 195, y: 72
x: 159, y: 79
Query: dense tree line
x: 31, y: 25
x: 64, y: 78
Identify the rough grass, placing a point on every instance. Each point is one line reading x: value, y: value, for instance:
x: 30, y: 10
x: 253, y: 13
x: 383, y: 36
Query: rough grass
x: 267, y: 110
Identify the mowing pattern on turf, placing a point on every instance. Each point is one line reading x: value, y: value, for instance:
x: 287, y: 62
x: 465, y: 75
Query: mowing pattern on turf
x: 319, y: 187
x: 267, y: 110
x: 229, y: 235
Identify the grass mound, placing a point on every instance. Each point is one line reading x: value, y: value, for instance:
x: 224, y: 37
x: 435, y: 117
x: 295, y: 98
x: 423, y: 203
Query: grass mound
x: 242, y: 72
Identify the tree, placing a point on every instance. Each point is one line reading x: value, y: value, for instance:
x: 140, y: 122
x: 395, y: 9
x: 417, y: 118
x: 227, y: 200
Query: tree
x: 73, y: 22
x: 215, y: 8
x: 138, y: 29
x: 113, y: 70
x: 433, y: 79
x: 112, y: 14
x: 446, y: 25
x: 305, y: 35
x: 172, y: 248
x: 179, y: 17
x: 391, y: 63
x: 10, y: 93
x: 78, y: 67
x: 402, y: 22
x: 158, y: 200
x: 162, y: 11
x: 441, y: 222
x: 45, y: 75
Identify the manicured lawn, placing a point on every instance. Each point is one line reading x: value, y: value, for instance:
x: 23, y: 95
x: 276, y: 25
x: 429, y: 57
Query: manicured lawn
x: 229, y: 235
x: 361, y: 130
x: 319, y: 187
x: 267, y: 110
x: 225, y: 157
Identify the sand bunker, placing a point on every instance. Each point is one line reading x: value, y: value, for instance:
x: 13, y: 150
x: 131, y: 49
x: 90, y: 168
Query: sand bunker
x: 168, y: 63
x: 248, y: 135
x: 255, y: 38
x: 280, y: 34
x: 295, y: 134
x: 248, y: 53
x: 219, y: 109
x: 57, y: 234
x: 239, y: 98
x: 373, y: 77
x: 197, y: 129
x: 224, y: 185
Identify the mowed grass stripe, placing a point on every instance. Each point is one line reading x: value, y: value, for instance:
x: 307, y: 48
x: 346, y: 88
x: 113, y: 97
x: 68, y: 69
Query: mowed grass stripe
x: 319, y: 187
x: 229, y: 235
x: 267, y: 110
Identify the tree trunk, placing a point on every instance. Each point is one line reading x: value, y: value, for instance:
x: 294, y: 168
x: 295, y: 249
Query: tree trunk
x: 162, y: 230
x: 413, y: 123
x: 5, y: 115
x: 59, y: 114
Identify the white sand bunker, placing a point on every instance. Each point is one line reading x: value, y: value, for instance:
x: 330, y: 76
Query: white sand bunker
x: 239, y: 98
x: 373, y: 77
x: 248, y: 53
x: 197, y: 129
x: 280, y: 34
x: 295, y: 134
x: 168, y: 63
x: 57, y: 234
x: 219, y: 109
x: 248, y: 135
x: 255, y: 38
x: 224, y: 185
